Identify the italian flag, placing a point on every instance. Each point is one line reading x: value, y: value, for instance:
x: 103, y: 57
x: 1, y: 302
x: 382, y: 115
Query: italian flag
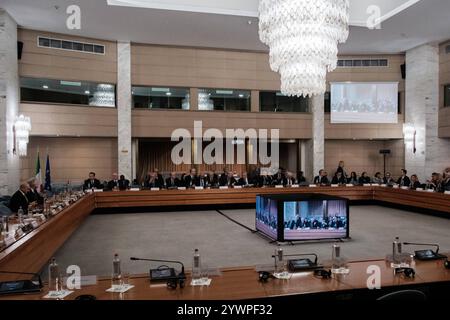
x: 38, y: 176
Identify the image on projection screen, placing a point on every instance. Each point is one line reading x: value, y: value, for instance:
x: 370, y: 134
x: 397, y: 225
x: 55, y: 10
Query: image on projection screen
x: 358, y: 102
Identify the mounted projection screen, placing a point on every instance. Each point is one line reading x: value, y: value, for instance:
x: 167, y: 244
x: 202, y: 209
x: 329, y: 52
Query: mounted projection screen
x: 364, y: 102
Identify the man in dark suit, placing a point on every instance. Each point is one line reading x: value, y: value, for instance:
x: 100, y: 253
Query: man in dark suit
x: 415, y: 183
x: 159, y: 178
x: 192, y: 180
x: 324, y: 180
x: 124, y: 184
x: 228, y: 180
x: 113, y: 184
x: 19, y: 199
x: 33, y: 195
x: 214, y: 179
x: 92, y: 182
x: 404, y: 181
x: 172, y: 182
x: 318, y: 179
x: 243, y: 181
x: 338, y: 178
x: 279, y: 178
x: 300, y: 177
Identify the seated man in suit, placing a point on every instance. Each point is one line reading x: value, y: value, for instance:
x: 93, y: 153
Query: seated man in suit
x: 435, y: 183
x: 227, y: 181
x: 205, y: 180
x: 446, y: 180
x: 92, y: 182
x: 414, y: 182
x: 33, y: 195
x: 388, y: 179
x: 243, y: 181
x: 19, y: 199
x: 124, y: 184
x: 192, y: 180
x: 338, y: 178
x: 279, y: 178
x: 364, y: 179
x: 300, y: 177
x: 113, y: 184
x: 290, y: 179
x: 159, y: 178
x: 173, y: 182
x: 318, y: 179
x: 404, y: 180
x: 214, y: 179
x: 377, y: 178
x: 324, y: 180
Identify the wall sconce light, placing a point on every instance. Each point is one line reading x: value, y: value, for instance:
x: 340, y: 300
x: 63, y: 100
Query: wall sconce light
x: 22, y: 128
x: 409, y: 136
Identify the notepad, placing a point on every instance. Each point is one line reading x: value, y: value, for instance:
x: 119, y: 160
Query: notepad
x: 181, y: 188
x: 154, y: 189
x: 198, y: 188
x: 312, y: 186
x: 335, y: 185
x: 223, y: 187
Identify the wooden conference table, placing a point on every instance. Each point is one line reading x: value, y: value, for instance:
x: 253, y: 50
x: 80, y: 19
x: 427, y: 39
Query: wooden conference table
x: 33, y: 251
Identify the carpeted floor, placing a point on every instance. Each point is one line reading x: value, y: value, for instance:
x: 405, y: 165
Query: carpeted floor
x: 222, y: 243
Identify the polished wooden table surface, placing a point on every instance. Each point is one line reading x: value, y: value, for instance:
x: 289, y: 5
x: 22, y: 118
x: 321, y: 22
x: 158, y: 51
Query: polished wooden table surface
x: 32, y: 252
x: 242, y: 283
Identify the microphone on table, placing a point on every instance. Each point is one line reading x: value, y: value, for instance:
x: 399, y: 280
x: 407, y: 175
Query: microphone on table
x: 20, y: 286
x: 426, y: 254
x: 164, y: 273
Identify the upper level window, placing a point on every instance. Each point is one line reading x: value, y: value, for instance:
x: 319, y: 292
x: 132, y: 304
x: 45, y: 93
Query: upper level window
x: 224, y: 99
x: 160, y: 98
x: 68, y: 92
x: 277, y: 102
x: 447, y: 95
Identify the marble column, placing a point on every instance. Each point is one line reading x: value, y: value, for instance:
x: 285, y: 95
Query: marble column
x: 315, y: 147
x: 422, y: 110
x: 124, y: 109
x: 9, y: 104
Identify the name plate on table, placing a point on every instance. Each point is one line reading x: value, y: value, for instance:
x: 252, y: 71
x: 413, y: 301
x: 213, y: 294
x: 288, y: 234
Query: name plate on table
x: 198, y: 188
x: 405, y: 188
x: 88, y: 190
x: 223, y: 187
x: 154, y: 189
x: 430, y: 190
x: 9, y: 240
x: 383, y: 185
x: 237, y: 187
x: 313, y: 185
x: 395, y: 186
x: 135, y: 189
x: 19, y: 232
x: 349, y: 185
x: 375, y: 184
x: 279, y: 186
x: 446, y: 192
x: 98, y: 190
x: 35, y: 224
x: 335, y: 185
x: 295, y: 186
x: 367, y: 185
x: 181, y: 188
x: 419, y: 189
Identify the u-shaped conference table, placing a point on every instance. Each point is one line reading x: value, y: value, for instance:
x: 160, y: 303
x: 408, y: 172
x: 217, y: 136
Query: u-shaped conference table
x: 33, y: 251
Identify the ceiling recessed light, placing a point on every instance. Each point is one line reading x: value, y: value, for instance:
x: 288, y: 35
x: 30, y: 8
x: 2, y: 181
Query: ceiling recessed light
x: 87, y: 92
x: 45, y: 86
x: 241, y: 95
x: 168, y: 93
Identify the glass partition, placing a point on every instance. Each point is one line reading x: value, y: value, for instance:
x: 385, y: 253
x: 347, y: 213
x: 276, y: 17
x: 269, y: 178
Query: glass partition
x: 160, y: 98
x: 68, y: 92
x: 273, y: 101
x: 224, y: 99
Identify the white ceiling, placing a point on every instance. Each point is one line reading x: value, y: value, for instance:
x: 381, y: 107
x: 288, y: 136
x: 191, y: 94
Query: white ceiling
x: 225, y: 24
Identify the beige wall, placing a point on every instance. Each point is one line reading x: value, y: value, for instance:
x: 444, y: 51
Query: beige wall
x: 63, y: 64
x: 153, y: 123
x: 72, y: 158
x: 75, y: 121
x: 363, y: 155
x: 444, y: 78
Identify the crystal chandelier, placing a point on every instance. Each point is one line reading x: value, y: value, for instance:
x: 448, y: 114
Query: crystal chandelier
x: 22, y: 128
x: 302, y: 36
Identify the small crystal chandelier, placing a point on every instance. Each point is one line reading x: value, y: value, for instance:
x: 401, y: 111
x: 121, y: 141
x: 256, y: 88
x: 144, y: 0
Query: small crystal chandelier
x: 104, y: 96
x: 302, y: 36
x: 22, y: 128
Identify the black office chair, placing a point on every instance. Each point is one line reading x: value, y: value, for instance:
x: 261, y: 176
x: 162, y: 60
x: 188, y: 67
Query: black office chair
x: 404, y: 295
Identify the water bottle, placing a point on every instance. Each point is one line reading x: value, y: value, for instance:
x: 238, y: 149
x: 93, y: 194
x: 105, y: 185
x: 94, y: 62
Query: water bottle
x: 20, y: 215
x: 396, y: 250
x: 280, y: 266
x: 336, y: 256
x: 117, y: 274
x: 54, y: 277
x: 196, y: 268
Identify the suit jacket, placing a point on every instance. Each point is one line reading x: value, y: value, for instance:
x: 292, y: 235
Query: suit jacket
x: 33, y: 196
x: 404, y: 182
x: 337, y: 180
x: 243, y: 182
x: 363, y: 180
x: 190, y: 181
x: 121, y: 184
x: 415, y: 185
x: 88, y: 184
x: 324, y: 180
x: 317, y: 179
x: 159, y: 181
x: 214, y: 179
x: 279, y: 179
x: 175, y: 183
x: 18, y: 200
x: 224, y: 181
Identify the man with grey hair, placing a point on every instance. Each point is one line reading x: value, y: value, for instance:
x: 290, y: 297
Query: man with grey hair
x: 19, y: 199
x: 33, y: 194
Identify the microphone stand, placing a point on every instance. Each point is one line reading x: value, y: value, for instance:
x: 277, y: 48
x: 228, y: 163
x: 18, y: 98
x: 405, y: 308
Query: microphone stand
x: 180, y: 278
